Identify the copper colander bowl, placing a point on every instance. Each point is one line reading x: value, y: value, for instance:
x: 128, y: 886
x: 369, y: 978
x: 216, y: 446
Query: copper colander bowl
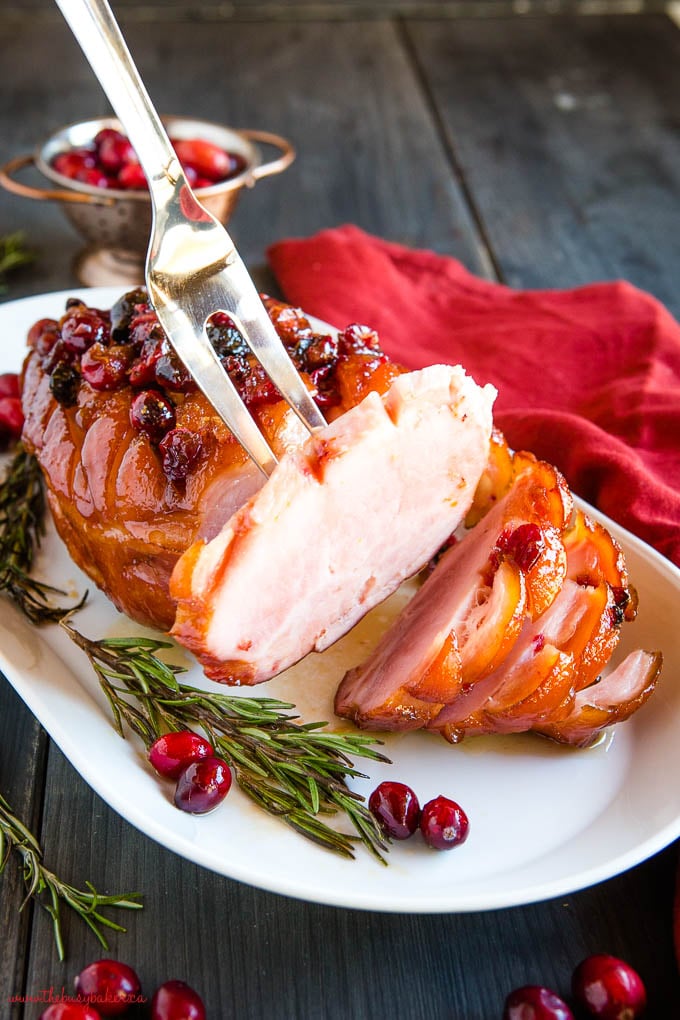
x: 116, y: 224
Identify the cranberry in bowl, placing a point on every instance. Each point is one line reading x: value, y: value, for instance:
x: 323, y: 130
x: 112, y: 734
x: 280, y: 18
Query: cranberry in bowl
x: 92, y: 172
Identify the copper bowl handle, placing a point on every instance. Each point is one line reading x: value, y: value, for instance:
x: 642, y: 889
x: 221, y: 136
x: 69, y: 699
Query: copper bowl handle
x: 275, y: 166
x: 42, y: 194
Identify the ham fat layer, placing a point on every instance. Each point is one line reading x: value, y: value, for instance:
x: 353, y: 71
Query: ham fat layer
x: 342, y: 521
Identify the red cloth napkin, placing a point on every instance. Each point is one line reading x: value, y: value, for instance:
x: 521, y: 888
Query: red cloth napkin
x: 588, y: 379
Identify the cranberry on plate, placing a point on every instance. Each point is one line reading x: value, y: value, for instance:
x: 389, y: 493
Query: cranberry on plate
x: 396, y: 809
x: 203, y: 785
x: 172, y: 752
x: 443, y: 824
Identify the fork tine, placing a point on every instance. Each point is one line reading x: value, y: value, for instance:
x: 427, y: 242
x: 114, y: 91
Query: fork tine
x: 244, y: 305
x: 216, y: 385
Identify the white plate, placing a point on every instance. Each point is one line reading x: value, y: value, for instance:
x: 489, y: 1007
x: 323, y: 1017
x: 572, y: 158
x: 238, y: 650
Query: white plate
x: 544, y: 820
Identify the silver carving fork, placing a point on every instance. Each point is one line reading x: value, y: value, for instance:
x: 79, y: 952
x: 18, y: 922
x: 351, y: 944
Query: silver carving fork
x: 192, y: 269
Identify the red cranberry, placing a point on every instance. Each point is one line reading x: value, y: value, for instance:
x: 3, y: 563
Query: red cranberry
x: 180, y: 449
x: 82, y: 328
x: 608, y: 988
x: 172, y: 752
x: 94, y: 177
x: 175, y: 1000
x: 131, y: 177
x: 109, y: 985
x: 104, y: 368
x: 43, y: 334
x: 208, y: 160
x: 9, y: 385
x: 532, y: 1002
x: 524, y: 544
x: 153, y: 414
x: 202, y: 785
x: 443, y: 824
x: 71, y: 163
x: 11, y: 418
x: 396, y: 809
x: 113, y: 150
x: 70, y: 1010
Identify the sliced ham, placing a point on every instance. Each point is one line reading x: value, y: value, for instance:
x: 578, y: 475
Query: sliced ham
x: 361, y: 506
x: 465, y: 618
x: 612, y: 699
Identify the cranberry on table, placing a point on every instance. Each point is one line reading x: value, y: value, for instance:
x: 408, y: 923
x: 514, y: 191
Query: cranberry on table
x: 609, y: 988
x: 172, y: 752
x: 534, y: 1002
x: 443, y: 824
x: 396, y: 809
x: 109, y: 985
x: 202, y: 785
x: 153, y: 414
x: 175, y: 1000
x: 70, y: 1011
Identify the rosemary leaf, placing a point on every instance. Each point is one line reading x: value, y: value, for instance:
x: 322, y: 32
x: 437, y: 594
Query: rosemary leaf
x: 15, y: 836
x: 22, y: 514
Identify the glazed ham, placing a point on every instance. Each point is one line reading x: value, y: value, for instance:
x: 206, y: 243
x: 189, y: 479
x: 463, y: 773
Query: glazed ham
x: 475, y: 652
x: 522, y: 608
x: 136, y: 463
x: 375, y: 494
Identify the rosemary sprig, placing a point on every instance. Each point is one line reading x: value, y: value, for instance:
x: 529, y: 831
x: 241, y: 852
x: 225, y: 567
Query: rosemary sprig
x: 22, y: 515
x: 13, y: 254
x: 88, y: 904
x: 295, y: 771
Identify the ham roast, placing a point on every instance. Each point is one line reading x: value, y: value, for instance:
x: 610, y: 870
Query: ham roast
x: 157, y: 503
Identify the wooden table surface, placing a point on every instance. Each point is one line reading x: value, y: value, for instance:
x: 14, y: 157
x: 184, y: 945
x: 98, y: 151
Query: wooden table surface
x: 542, y: 151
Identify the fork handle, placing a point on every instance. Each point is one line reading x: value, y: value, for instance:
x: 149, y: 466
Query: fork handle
x: 94, y: 26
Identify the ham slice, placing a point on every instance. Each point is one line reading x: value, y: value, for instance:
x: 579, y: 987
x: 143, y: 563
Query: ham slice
x: 343, y: 520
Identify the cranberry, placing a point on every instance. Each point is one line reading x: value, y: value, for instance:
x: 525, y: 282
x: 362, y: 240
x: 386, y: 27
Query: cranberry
x: 524, y: 544
x: 9, y: 385
x: 109, y: 985
x: 43, y: 334
x: 206, y: 159
x: 71, y: 163
x: 64, y: 383
x: 82, y: 328
x: 608, y: 988
x: 172, y: 752
x: 113, y: 150
x: 396, y: 809
x: 203, y: 785
x: 175, y: 1000
x: 443, y: 823
x: 153, y: 414
x: 104, y: 368
x: 180, y: 450
x: 225, y: 337
x: 532, y: 1002
x: 127, y: 308
x: 70, y: 1009
x: 358, y: 339
x: 94, y: 177
x: 131, y: 177
x: 11, y: 418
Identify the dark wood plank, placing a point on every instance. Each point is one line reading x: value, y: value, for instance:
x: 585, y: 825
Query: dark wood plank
x: 566, y: 132
x: 22, y: 748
